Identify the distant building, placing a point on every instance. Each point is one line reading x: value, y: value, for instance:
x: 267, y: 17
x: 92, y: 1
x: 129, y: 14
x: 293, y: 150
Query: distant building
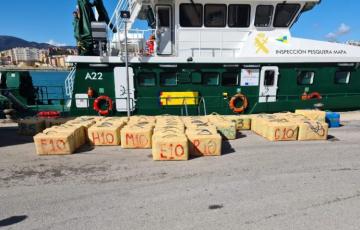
x: 26, y: 55
x: 6, y: 57
x: 54, y: 57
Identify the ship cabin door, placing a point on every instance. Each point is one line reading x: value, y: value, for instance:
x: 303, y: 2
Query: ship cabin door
x: 268, y: 83
x: 121, y: 91
x: 163, y: 34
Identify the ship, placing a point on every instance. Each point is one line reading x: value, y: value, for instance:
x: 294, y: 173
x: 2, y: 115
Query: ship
x: 188, y: 57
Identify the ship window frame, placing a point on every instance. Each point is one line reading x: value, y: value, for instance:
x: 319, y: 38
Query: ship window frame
x: 273, y: 76
x: 348, y: 77
x: 140, y: 75
x: 224, y: 14
x: 194, y: 75
x: 270, y: 16
x: 301, y: 81
x: 162, y: 16
x: 290, y: 19
x: 232, y: 25
x: 181, y: 15
x: 235, y: 76
x: 204, y: 77
x: 162, y: 83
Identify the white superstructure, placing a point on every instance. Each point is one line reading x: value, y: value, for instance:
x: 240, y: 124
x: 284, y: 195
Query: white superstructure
x: 230, y: 31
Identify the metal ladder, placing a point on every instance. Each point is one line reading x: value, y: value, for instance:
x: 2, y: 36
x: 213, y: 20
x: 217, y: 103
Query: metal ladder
x: 186, y: 108
x: 69, y: 82
x: 202, y: 99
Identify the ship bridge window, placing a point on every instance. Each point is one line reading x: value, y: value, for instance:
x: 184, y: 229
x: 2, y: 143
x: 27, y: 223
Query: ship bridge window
x: 191, y: 15
x: 305, y: 77
x: 239, y: 15
x: 342, y: 77
x: 147, y: 79
x: 168, y: 79
x: 263, y: 15
x: 210, y: 78
x: 215, y: 15
x: 230, y: 79
x: 285, y: 14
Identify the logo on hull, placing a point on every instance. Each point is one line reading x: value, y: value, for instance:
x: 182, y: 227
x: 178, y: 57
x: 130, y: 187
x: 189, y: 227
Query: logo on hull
x: 261, y: 43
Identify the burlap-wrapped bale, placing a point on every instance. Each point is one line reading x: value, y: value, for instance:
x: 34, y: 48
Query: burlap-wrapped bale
x: 315, y: 115
x: 242, y: 122
x: 78, y: 131
x: 280, y: 130
x: 225, y: 127
x: 170, y: 147
x: 136, y: 136
x: 142, y: 120
x: 312, y: 130
x: 204, y: 142
x: 54, y: 143
x: 105, y: 133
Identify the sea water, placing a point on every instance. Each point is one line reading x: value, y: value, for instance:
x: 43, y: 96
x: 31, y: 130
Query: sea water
x: 50, y: 82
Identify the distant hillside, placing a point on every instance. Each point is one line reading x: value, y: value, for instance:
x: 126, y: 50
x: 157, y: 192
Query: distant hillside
x: 9, y: 42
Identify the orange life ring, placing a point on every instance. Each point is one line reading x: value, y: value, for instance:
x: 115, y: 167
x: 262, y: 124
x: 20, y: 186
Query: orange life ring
x: 97, y: 105
x: 235, y: 98
x: 314, y: 95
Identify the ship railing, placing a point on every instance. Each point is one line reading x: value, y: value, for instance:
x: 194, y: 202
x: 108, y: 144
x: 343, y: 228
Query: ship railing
x: 116, y: 20
x: 90, y: 101
x: 69, y: 82
x: 117, y: 23
x: 46, y: 98
x: 139, y: 43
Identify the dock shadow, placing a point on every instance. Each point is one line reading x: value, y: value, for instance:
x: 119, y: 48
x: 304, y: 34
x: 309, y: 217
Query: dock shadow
x: 332, y: 138
x: 12, y: 220
x: 227, y: 148
x: 85, y: 149
x: 9, y: 137
x: 240, y: 135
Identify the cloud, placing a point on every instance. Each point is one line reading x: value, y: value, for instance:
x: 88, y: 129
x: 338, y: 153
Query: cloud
x: 54, y: 43
x: 341, y: 30
x: 331, y: 36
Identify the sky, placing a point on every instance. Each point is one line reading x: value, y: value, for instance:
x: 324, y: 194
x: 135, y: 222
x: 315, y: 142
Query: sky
x: 51, y: 20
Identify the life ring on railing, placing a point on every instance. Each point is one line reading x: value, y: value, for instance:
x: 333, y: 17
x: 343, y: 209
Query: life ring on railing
x: 314, y: 95
x: 233, y: 101
x: 109, y: 105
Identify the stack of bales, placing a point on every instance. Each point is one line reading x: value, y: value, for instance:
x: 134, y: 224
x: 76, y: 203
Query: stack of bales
x: 106, y: 132
x: 169, y: 142
x: 138, y: 132
x: 203, y: 137
x: 288, y: 127
x: 309, y: 129
x: 226, y: 127
x: 65, y: 138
